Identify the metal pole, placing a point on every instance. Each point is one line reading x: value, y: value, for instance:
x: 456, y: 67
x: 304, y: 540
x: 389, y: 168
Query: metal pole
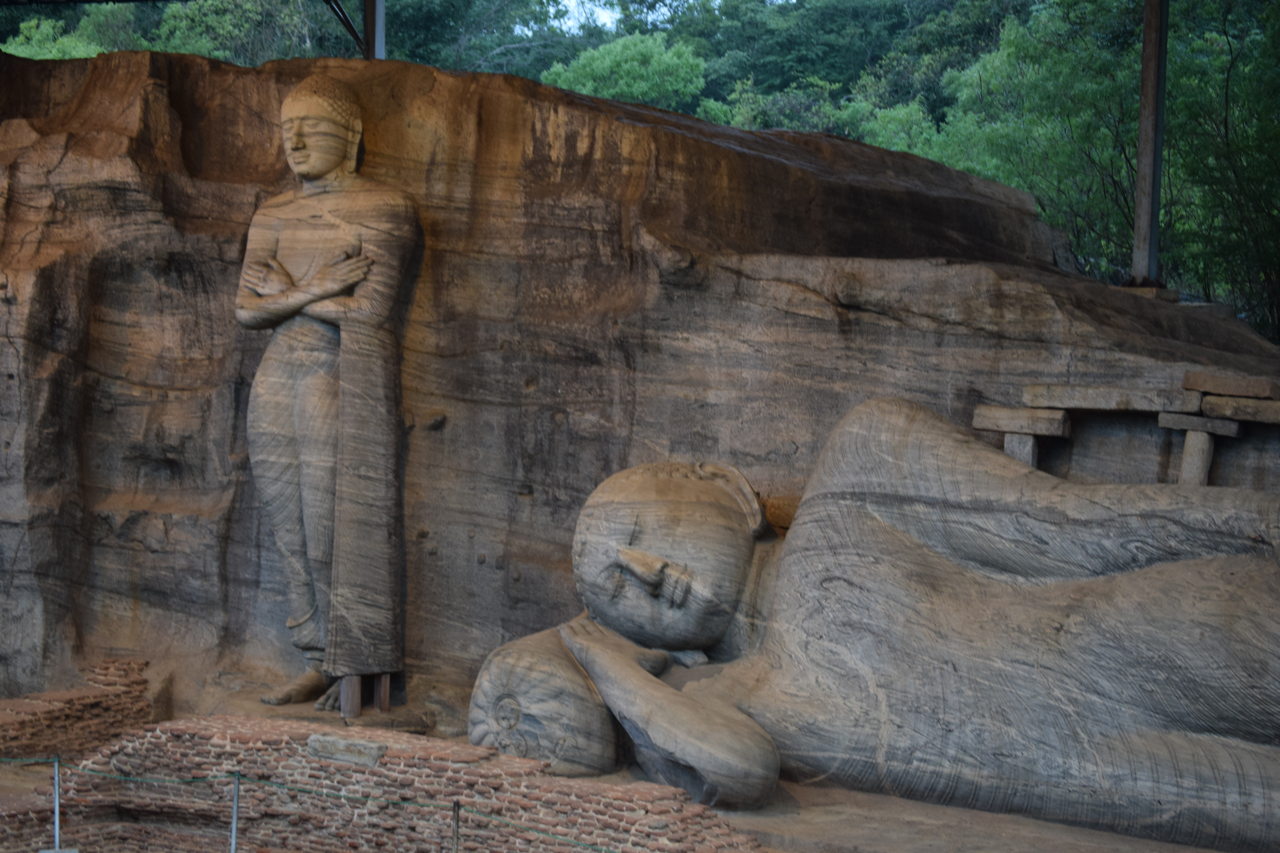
x: 57, y: 803
x: 235, y: 808
x: 1146, y: 207
x: 457, y: 815
x: 375, y: 29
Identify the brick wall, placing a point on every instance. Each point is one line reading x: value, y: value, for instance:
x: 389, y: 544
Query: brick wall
x: 400, y: 801
x: 70, y: 722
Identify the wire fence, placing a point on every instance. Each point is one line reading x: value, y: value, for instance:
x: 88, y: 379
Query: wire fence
x: 237, y: 780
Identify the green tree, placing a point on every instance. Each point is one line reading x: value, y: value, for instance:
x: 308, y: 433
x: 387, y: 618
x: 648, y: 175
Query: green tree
x: 638, y: 68
x: 809, y: 105
x: 1222, y: 214
x: 522, y: 37
x: 902, y: 127
x: 250, y: 32
x: 115, y: 26
x: 782, y: 44
x: 1053, y: 109
x: 12, y: 17
x: 101, y: 27
x: 46, y: 38
x: 724, y: 34
x: 945, y: 37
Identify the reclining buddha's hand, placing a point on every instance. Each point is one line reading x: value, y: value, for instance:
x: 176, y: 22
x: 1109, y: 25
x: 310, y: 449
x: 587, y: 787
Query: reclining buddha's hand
x: 703, y: 744
x: 599, y: 649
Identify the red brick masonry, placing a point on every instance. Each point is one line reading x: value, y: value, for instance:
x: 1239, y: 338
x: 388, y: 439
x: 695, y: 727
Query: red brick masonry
x: 402, y: 802
x: 69, y: 722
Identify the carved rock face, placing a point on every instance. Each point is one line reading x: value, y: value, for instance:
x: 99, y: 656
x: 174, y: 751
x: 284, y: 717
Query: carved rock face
x: 316, y: 144
x: 660, y: 555
x: 601, y: 285
x: 532, y: 699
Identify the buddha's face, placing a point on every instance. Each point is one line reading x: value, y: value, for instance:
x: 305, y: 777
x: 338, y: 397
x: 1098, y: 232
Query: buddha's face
x: 317, y: 144
x: 662, y: 560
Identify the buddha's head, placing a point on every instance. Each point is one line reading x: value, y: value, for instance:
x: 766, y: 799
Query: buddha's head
x: 321, y: 123
x: 661, y: 552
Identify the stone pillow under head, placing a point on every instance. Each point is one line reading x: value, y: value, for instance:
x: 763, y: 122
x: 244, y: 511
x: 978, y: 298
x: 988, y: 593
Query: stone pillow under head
x: 531, y: 699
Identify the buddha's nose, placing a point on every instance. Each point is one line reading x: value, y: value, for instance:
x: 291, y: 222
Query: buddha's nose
x: 295, y: 139
x: 647, y: 568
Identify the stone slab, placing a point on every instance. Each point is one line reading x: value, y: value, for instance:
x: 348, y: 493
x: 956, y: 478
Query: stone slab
x: 1242, y: 409
x: 347, y: 750
x: 1111, y: 398
x: 1232, y: 385
x: 1214, y: 426
x: 1030, y: 421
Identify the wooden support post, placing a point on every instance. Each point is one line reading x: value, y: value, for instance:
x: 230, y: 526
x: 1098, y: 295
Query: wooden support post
x: 382, y: 692
x: 349, y: 699
x: 1197, y: 457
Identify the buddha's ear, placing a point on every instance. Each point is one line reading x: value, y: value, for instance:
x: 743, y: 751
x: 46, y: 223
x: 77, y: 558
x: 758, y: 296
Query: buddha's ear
x: 354, y: 134
x: 735, y: 483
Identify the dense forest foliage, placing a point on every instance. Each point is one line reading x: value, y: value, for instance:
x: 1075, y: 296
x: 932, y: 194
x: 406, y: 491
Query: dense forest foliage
x: 1039, y: 94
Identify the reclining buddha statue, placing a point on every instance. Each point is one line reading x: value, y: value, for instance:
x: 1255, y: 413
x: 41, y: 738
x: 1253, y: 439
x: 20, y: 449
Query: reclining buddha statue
x: 941, y: 623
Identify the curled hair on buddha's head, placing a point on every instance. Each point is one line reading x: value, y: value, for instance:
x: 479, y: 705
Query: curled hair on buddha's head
x: 730, y: 480
x: 335, y: 94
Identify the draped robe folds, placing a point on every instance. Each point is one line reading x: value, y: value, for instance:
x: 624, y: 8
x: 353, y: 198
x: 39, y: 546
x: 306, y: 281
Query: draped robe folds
x: 951, y: 625
x: 337, y: 520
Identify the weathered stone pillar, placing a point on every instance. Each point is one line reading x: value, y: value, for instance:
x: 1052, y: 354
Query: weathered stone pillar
x: 1197, y: 456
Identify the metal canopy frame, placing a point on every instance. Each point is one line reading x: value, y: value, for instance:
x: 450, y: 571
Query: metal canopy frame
x: 373, y: 44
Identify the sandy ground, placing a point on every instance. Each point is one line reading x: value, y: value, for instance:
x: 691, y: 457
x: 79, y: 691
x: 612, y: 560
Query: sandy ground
x: 807, y: 819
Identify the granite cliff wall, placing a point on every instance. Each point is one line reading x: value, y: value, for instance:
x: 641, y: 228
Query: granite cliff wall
x: 602, y: 285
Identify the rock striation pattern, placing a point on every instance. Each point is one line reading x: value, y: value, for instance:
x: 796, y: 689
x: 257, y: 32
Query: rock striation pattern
x: 292, y: 798
x: 601, y: 286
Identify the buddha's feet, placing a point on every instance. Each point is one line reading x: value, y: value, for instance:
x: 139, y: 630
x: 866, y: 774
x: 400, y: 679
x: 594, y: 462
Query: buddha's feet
x: 304, y: 688
x: 330, y: 699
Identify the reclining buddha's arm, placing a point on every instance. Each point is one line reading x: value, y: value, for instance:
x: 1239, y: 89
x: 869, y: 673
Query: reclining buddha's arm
x: 966, y: 500
x: 708, y: 747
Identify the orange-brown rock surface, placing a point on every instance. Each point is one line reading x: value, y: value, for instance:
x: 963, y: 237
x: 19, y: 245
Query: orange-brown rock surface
x: 602, y: 285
